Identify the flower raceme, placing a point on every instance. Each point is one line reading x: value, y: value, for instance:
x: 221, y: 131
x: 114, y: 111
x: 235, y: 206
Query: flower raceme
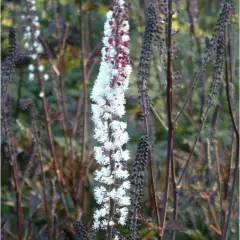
x: 30, y: 36
x: 110, y: 133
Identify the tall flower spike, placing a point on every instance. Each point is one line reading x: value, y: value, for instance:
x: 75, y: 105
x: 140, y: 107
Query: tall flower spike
x: 8, y: 65
x: 137, y: 181
x: 31, y: 35
x: 110, y: 132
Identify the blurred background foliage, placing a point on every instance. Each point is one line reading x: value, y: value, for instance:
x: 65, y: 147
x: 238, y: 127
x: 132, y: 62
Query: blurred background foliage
x: 194, y: 213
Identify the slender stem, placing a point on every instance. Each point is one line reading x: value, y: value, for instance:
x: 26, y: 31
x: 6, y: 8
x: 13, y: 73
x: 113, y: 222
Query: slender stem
x: 81, y: 98
x: 48, y: 120
x: 191, y: 90
x: 213, y: 214
x: 231, y: 167
x: 19, y: 200
x: 15, y: 174
x: 10, y: 234
x: 220, y: 179
x: 78, y: 115
x: 169, y: 113
x: 219, y: 175
x: 192, y: 150
x: 111, y: 209
x: 57, y: 95
x: 152, y: 187
x: 158, y: 117
x: 146, y: 127
x: 50, y: 135
x: 19, y: 91
x: 235, y: 172
x: 61, y: 46
x: 207, y: 197
x: 174, y: 186
x: 81, y: 181
x: 54, y: 5
x: 199, y: 59
x: 192, y: 30
x: 44, y: 182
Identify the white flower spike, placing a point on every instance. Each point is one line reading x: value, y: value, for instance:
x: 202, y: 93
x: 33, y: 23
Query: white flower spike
x: 110, y: 132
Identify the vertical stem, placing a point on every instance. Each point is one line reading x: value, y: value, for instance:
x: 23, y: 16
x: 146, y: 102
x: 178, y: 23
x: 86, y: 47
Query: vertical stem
x: 44, y: 183
x: 48, y: 124
x: 152, y: 185
x: 18, y: 199
x: 219, y: 181
x: 235, y: 172
x: 219, y: 175
x: 173, y: 177
x: 50, y: 136
x: 207, y: 197
x: 199, y: 59
x: 19, y: 91
x: 57, y: 95
x: 169, y: 159
x: 111, y: 210
x: 13, y: 164
x: 61, y: 45
x: 81, y: 181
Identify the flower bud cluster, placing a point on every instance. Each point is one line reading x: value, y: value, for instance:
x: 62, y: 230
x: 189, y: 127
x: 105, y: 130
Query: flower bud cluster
x: 217, y: 50
x: 30, y: 36
x: 110, y: 132
x: 137, y: 182
x: 8, y: 65
x: 143, y: 75
x: 80, y: 230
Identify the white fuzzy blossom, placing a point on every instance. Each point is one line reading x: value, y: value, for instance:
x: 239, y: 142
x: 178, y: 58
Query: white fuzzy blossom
x: 110, y: 132
x: 45, y: 77
x: 41, y: 68
x: 31, y: 67
x: 31, y: 34
x: 31, y: 76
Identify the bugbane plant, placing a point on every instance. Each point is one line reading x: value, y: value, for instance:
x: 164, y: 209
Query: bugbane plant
x: 110, y: 132
x: 137, y: 182
x: 8, y: 66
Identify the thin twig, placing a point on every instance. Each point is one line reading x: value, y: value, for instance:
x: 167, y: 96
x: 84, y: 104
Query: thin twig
x: 50, y: 135
x: 198, y: 44
x: 192, y: 150
x: 10, y: 234
x: 57, y: 95
x: 6, y: 111
x: 18, y: 199
x: 169, y: 90
x: 81, y: 181
x: 191, y: 90
x: 174, y: 188
x: 219, y: 176
x: 207, y: 197
x: 235, y: 172
x: 61, y: 46
x: 158, y: 117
